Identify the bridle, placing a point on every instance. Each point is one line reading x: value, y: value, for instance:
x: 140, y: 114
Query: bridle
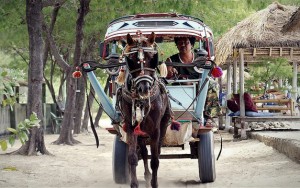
x: 141, y: 105
x: 140, y: 50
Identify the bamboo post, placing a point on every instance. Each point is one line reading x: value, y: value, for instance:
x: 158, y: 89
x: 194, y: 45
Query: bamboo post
x: 294, y: 85
x: 242, y: 102
x: 235, y: 89
x: 228, y: 94
x: 221, y: 91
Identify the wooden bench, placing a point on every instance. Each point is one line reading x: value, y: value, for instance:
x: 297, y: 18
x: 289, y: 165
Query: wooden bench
x: 237, y: 120
x: 279, y: 104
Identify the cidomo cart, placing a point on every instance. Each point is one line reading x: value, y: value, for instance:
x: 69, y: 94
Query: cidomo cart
x: 187, y: 100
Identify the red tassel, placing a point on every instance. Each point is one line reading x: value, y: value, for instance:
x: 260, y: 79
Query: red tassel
x: 217, y: 72
x: 77, y: 74
x: 137, y: 131
x: 175, y: 125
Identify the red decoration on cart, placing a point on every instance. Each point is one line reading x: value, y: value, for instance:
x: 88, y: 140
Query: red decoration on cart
x: 77, y: 73
x: 217, y: 72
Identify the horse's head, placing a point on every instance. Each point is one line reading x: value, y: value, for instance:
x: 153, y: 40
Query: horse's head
x: 142, y: 59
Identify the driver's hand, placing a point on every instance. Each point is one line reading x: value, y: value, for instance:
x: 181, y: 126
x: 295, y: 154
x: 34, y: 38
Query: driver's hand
x: 171, y: 72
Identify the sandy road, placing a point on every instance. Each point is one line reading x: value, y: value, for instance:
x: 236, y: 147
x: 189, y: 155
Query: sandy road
x: 246, y: 163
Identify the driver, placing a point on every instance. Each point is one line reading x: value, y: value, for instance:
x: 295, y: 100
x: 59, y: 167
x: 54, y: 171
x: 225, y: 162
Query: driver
x: 185, y: 47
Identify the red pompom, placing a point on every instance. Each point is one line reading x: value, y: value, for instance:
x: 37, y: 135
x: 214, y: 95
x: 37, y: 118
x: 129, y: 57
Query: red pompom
x: 77, y: 74
x: 217, y: 72
x: 138, y: 131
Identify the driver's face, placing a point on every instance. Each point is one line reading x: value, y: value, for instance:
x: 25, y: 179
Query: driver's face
x: 184, y: 45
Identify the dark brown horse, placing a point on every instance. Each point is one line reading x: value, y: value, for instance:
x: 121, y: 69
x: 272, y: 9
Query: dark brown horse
x: 144, y: 105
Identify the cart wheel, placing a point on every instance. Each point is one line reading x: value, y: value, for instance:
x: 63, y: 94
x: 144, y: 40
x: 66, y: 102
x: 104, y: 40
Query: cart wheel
x: 206, y: 157
x: 120, y: 161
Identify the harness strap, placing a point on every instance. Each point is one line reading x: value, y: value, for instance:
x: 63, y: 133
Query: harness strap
x: 145, y: 68
x: 91, y: 117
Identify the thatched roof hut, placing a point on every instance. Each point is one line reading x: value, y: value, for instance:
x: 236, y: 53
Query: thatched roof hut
x: 259, y: 35
x: 261, y: 29
x: 294, y: 23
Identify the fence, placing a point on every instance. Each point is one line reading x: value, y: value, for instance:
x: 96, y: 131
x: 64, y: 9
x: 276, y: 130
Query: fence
x: 12, y: 117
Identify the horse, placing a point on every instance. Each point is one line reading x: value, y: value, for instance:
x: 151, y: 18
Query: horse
x: 144, y: 105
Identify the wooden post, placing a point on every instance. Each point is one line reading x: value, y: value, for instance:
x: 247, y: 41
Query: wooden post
x: 228, y: 94
x: 242, y: 102
x: 295, y: 88
x: 235, y: 89
x: 294, y: 84
x: 220, y: 91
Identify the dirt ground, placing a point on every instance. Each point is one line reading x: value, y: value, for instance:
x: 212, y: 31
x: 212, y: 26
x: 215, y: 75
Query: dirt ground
x: 247, y: 163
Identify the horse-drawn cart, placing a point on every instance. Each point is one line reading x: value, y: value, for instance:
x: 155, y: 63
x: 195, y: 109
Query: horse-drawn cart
x: 140, y: 109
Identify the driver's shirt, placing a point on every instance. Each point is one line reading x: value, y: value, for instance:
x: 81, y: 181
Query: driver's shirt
x: 186, y: 72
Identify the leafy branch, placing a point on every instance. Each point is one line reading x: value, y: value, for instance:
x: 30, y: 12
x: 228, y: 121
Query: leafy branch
x: 21, y: 132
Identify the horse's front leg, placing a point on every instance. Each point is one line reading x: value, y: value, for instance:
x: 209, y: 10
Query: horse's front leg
x: 132, y: 158
x: 163, y: 129
x: 154, y: 157
x: 144, y: 154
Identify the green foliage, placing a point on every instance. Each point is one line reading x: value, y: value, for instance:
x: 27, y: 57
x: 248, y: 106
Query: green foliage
x: 8, y: 81
x: 21, y: 132
x: 269, y: 70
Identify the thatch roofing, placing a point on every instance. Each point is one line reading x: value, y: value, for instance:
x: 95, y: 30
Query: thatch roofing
x: 261, y: 29
x: 294, y: 23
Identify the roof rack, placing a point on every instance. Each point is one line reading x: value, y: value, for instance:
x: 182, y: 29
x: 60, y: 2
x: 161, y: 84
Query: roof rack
x: 165, y: 25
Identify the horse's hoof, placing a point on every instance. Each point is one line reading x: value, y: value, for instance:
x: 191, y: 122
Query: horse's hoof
x: 154, y: 185
x: 134, y: 185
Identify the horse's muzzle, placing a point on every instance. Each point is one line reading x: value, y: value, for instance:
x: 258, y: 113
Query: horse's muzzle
x: 143, y: 89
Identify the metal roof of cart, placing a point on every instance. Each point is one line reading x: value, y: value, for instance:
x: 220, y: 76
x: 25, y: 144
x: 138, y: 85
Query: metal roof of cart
x: 164, y: 25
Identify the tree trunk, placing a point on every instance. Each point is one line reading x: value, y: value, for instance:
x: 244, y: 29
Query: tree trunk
x: 68, y: 121
x: 80, y: 98
x: 86, y: 55
x: 83, y: 10
x: 35, y: 78
x: 49, y: 81
x: 66, y: 136
x: 35, y: 143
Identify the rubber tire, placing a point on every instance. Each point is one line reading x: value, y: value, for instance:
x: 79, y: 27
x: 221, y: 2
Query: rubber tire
x: 120, y: 161
x: 206, y: 157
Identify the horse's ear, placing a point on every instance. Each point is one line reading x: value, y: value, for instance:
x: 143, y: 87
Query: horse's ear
x: 151, y: 38
x: 130, y: 41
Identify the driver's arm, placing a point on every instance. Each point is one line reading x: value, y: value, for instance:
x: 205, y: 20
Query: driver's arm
x: 171, y: 70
